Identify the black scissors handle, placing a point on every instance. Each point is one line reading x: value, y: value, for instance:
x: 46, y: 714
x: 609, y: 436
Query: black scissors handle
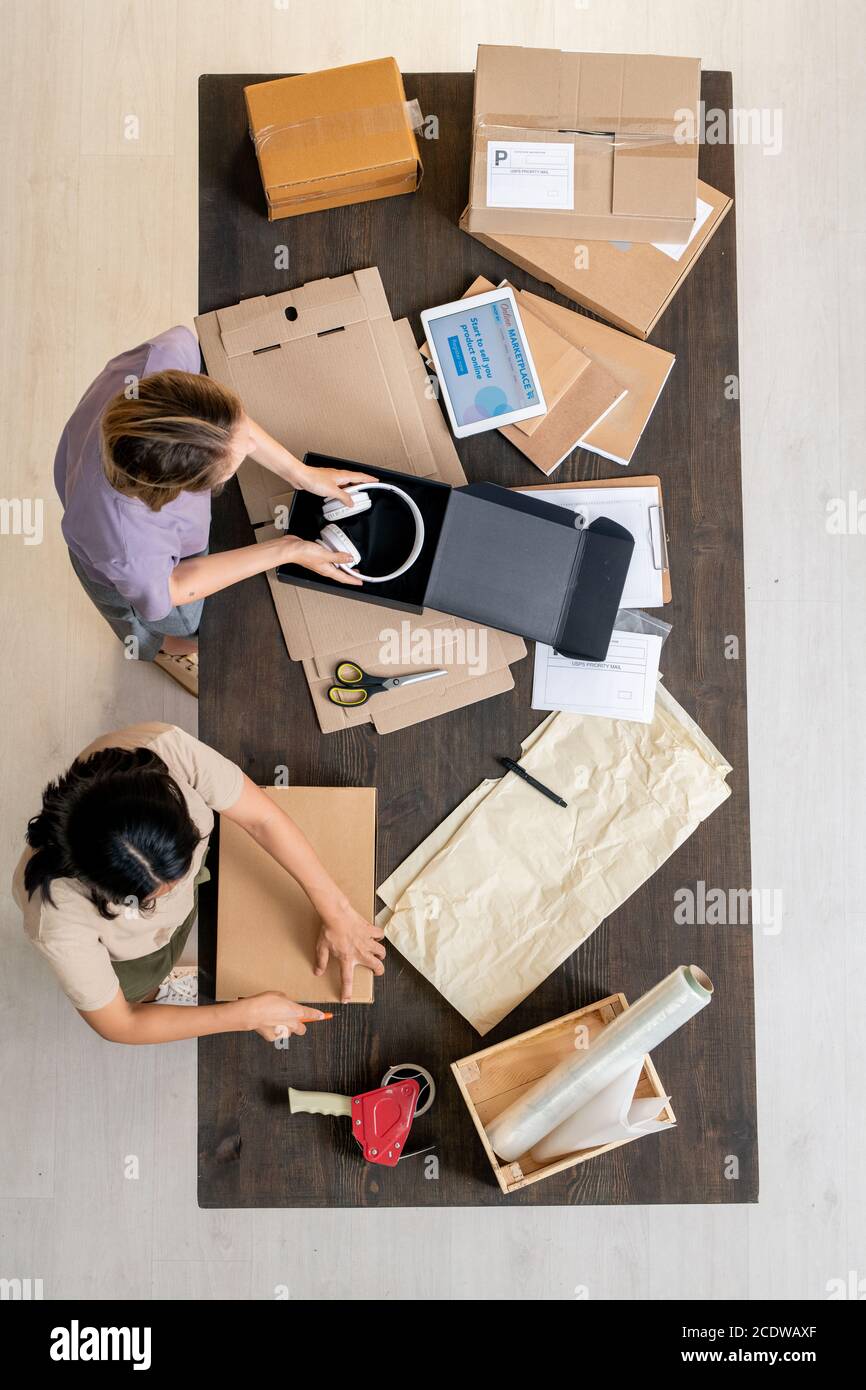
x: 353, y: 685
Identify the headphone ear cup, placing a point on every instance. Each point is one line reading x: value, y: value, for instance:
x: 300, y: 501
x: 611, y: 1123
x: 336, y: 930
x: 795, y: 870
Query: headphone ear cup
x: 335, y: 539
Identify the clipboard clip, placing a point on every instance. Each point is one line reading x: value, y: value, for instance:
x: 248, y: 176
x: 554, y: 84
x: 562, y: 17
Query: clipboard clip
x: 658, y: 538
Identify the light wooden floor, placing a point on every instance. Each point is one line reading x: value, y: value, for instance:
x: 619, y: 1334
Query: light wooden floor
x: 99, y: 250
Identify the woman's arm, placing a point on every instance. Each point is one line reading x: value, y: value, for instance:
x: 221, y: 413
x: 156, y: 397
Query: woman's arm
x: 324, y: 482
x: 202, y: 575
x: 273, y: 1015
x: 344, y: 932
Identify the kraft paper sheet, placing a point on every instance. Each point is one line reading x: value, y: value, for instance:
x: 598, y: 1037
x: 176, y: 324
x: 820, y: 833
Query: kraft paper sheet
x: 510, y: 884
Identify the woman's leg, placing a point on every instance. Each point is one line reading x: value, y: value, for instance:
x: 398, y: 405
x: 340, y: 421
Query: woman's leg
x: 176, y: 634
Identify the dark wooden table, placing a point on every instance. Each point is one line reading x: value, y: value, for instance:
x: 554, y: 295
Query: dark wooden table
x: 255, y: 708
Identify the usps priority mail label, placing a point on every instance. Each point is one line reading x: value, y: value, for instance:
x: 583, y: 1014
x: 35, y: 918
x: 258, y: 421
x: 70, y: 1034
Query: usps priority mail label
x: 527, y: 174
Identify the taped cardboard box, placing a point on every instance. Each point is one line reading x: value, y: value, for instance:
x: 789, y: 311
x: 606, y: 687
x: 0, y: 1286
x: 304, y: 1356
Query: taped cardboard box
x: 339, y: 338
x: 630, y: 283
x: 599, y: 145
x: 267, y: 927
x: 326, y: 139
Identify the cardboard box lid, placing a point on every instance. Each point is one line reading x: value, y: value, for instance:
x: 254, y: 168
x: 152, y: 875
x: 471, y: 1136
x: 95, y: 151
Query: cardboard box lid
x: 266, y: 925
x: 325, y: 131
x: 643, y: 169
x: 629, y: 283
x: 524, y: 565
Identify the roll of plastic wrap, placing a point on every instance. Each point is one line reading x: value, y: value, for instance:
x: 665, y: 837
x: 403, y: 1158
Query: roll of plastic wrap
x: 625, y: 1041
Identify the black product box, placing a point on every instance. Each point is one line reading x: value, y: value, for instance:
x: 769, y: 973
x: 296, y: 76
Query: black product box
x: 490, y: 556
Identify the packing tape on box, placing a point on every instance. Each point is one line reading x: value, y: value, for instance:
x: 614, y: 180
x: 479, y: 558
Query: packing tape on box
x: 621, y: 1045
x: 637, y: 133
x: 346, y: 125
x: 411, y: 181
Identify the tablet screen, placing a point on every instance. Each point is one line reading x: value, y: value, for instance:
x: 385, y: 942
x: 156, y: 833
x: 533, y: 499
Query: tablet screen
x: 481, y: 350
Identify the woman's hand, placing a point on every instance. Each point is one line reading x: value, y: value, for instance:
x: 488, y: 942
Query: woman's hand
x: 274, y: 1015
x: 352, y: 940
x: 316, y: 557
x: 329, y: 482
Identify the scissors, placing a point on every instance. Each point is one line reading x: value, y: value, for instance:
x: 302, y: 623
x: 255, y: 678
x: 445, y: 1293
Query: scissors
x: 354, y: 687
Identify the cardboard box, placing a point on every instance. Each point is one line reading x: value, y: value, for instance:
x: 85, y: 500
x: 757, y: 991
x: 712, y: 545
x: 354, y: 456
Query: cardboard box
x: 324, y: 366
x: 267, y: 927
x: 610, y: 141
x: 629, y: 283
x: 490, y: 556
x: 325, y: 139
x: 491, y: 1079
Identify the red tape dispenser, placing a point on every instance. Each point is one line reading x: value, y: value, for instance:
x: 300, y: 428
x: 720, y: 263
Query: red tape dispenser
x: 381, y: 1119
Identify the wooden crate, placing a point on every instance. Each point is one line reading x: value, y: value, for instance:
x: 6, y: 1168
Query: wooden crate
x: 491, y: 1079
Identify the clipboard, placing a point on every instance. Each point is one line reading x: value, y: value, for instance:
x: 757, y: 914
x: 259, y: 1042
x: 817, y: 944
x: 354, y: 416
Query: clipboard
x: 661, y: 557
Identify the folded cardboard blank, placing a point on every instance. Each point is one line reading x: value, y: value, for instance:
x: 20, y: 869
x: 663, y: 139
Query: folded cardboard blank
x: 626, y: 123
x: 491, y: 556
x: 267, y: 927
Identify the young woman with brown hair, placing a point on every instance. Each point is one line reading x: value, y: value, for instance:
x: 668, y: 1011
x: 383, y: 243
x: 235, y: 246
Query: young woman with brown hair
x: 148, y: 446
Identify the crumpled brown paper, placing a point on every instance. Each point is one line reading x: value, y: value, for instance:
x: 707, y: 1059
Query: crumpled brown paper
x: 510, y: 883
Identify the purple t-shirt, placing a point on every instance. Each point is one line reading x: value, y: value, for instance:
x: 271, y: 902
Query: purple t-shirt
x: 118, y: 540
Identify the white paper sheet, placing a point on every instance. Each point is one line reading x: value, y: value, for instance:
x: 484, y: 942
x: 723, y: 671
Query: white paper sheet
x: 621, y: 687
x: 637, y: 509
x: 676, y: 249
x: 609, y: 1118
x: 530, y: 174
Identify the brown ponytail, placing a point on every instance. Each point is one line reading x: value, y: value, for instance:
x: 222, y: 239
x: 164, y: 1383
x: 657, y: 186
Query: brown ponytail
x: 172, y: 437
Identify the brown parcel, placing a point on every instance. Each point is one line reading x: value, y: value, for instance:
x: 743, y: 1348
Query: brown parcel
x: 631, y: 120
x: 491, y: 1079
x: 266, y: 925
x: 300, y: 394
x: 629, y: 285
x: 325, y: 139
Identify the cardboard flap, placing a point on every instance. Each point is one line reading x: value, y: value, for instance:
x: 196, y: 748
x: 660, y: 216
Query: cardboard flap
x: 602, y: 566
x: 324, y: 306
x: 504, y: 564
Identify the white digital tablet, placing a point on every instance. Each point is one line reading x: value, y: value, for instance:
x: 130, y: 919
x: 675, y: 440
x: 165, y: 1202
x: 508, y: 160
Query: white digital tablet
x: 483, y: 362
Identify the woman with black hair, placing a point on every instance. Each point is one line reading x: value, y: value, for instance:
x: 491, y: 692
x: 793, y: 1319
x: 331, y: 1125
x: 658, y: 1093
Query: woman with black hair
x: 109, y: 880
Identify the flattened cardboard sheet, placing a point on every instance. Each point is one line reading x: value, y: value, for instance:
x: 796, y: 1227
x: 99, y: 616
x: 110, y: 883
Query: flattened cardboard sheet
x: 628, y: 282
x: 580, y: 392
x: 267, y: 927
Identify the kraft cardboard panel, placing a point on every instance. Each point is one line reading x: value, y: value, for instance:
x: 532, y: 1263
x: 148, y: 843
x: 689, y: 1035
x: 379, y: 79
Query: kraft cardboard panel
x: 254, y: 890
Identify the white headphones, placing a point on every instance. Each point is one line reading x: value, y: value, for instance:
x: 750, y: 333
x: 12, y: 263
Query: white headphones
x: 335, y: 538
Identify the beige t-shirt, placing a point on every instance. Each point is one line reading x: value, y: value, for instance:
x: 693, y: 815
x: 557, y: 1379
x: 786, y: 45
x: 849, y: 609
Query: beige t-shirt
x: 77, y: 942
